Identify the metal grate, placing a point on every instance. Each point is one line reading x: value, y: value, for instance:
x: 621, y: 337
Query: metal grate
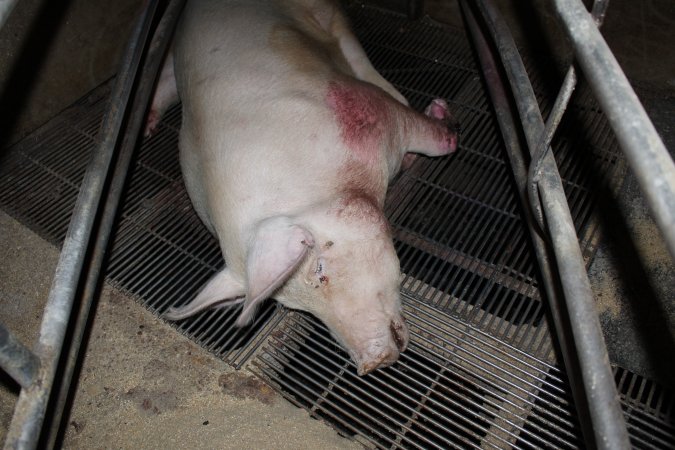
x: 454, y: 386
x: 481, y: 369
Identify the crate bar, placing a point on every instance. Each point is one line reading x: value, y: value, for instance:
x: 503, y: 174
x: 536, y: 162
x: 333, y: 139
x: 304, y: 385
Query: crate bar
x: 29, y: 412
x: 139, y: 105
x: 6, y: 7
x: 644, y: 149
x: 16, y: 359
x: 586, y: 360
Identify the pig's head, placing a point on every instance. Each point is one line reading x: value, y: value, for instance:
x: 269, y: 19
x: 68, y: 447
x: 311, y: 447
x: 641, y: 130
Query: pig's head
x: 350, y: 280
x: 336, y: 262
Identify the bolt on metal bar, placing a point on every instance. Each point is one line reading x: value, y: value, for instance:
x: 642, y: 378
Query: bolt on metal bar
x: 591, y: 363
x: 16, y: 359
x: 139, y: 105
x: 644, y: 150
x: 29, y: 412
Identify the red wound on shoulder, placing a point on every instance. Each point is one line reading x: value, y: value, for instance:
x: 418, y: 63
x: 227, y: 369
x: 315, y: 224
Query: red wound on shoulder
x: 362, y: 115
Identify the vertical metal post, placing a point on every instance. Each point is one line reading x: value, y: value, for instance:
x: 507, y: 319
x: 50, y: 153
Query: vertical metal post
x: 415, y: 9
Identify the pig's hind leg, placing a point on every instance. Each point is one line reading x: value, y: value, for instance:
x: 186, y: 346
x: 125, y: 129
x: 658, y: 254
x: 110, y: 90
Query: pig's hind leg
x: 166, y: 95
x: 333, y: 21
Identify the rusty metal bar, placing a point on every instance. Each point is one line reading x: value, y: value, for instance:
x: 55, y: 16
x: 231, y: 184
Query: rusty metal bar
x: 577, y: 311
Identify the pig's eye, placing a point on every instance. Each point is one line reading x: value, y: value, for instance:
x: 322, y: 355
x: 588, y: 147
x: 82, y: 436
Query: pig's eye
x: 319, y: 267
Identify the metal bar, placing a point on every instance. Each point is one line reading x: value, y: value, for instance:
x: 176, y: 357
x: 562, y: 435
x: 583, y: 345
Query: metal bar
x: 29, y: 413
x: 16, y: 359
x: 535, y: 170
x: 156, y: 51
x: 512, y: 143
x: 415, y: 9
x: 465, y: 261
x: 552, y: 123
x: 6, y: 7
x: 596, y: 393
x: 644, y: 150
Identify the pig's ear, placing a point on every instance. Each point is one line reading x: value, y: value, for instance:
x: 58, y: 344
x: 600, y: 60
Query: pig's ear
x: 223, y: 289
x: 278, y: 248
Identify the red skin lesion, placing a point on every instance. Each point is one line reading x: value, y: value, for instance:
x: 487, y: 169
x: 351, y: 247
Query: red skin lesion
x: 375, y: 128
x: 363, y: 115
x: 370, y: 121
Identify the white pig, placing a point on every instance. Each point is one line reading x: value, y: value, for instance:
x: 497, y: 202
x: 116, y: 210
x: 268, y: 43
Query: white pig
x: 289, y: 140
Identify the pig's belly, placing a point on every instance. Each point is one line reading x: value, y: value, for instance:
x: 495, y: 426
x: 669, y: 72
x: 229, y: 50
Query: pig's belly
x: 244, y: 167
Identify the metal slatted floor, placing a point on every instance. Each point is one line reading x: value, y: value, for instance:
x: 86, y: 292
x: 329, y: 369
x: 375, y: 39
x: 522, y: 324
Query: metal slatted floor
x: 481, y: 368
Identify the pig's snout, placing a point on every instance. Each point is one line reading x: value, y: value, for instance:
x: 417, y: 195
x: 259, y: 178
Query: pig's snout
x: 400, y: 333
x: 378, y: 355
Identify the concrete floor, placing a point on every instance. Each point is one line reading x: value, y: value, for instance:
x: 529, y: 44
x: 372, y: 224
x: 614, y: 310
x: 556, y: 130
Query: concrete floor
x: 145, y: 386
x: 142, y: 385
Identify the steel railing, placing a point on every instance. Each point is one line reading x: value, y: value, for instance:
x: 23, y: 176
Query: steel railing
x: 80, y: 260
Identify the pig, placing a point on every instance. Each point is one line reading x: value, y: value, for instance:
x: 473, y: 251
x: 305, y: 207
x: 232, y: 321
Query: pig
x: 288, y: 142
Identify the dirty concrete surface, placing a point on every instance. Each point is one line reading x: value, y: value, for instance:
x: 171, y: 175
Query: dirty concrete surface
x: 143, y: 385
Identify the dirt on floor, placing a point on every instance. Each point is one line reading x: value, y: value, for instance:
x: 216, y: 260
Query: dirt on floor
x: 143, y: 385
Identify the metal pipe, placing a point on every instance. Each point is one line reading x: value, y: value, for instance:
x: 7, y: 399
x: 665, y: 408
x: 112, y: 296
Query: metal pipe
x: 29, y: 412
x: 553, y: 121
x: 515, y: 152
x: 534, y: 172
x: 606, y: 419
x: 16, y: 359
x: 415, y: 9
x: 6, y: 7
x: 644, y: 150
x: 139, y: 105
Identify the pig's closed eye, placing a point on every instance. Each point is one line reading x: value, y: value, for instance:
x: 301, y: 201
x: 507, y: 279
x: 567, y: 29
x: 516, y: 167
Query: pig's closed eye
x: 320, y: 265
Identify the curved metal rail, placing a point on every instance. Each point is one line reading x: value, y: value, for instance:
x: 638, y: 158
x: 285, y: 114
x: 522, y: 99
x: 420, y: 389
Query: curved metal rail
x: 576, y: 321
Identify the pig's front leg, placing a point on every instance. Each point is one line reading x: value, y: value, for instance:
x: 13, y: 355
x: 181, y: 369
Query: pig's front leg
x: 166, y: 95
x: 434, y: 134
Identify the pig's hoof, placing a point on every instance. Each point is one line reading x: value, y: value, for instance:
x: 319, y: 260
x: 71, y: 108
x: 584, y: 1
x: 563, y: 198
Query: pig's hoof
x: 152, y: 124
x: 438, y: 109
x: 408, y: 160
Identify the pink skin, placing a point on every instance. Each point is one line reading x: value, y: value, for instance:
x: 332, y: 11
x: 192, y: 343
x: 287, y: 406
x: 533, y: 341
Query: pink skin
x: 363, y: 116
x: 366, y: 116
x: 152, y: 123
x: 446, y: 128
x: 361, y: 119
x: 439, y: 112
